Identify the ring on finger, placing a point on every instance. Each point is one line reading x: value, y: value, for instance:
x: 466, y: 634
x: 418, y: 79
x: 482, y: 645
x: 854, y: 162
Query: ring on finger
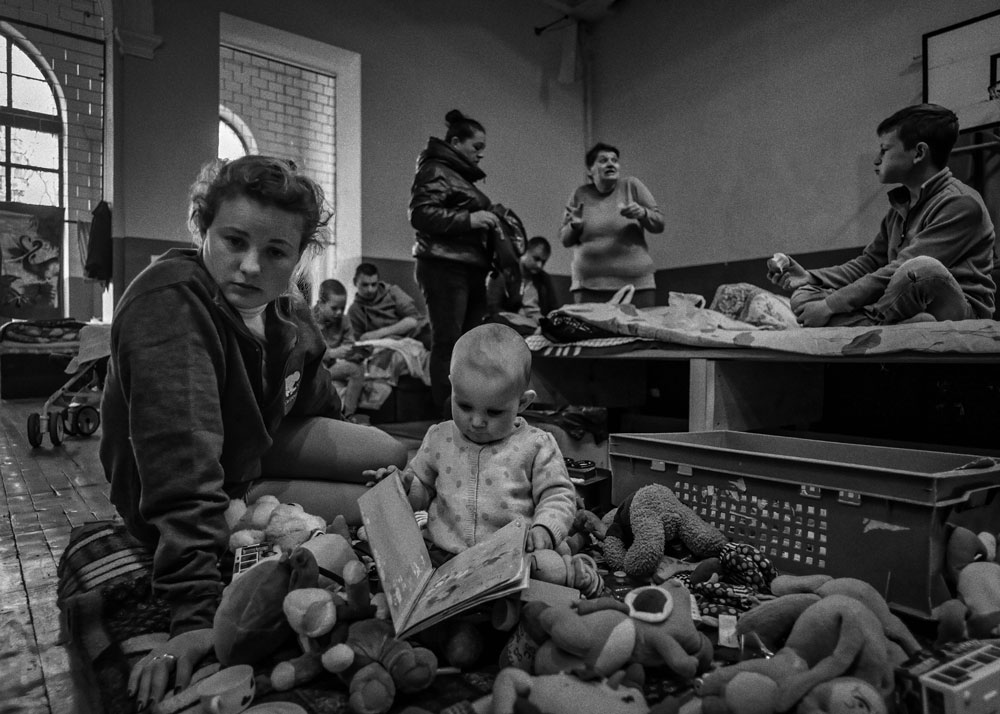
x: 164, y: 656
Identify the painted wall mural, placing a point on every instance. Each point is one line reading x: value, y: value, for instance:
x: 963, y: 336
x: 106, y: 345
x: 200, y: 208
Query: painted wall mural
x: 31, y: 265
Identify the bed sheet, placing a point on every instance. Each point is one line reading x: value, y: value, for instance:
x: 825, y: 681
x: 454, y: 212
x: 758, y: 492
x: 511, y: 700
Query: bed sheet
x: 701, y: 327
x: 95, y: 344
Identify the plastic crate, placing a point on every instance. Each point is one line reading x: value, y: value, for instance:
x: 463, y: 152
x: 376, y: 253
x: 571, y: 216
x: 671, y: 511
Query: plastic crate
x: 846, y: 510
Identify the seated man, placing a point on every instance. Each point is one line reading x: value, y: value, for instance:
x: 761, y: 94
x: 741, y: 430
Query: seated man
x: 343, y: 362
x: 538, y: 292
x: 933, y: 254
x: 381, y: 310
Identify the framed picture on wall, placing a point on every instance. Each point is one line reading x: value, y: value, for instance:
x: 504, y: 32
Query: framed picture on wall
x: 995, y: 76
x: 962, y: 69
x: 31, y: 268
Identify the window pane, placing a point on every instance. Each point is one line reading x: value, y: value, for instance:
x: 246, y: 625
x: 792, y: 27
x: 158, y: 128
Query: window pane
x: 36, y: 148
x: 34, y: 95
x: 3, y: 146
x: 36, y: 187
x: 230, y: 145
x: 21, y: 64
x: 3, y: 71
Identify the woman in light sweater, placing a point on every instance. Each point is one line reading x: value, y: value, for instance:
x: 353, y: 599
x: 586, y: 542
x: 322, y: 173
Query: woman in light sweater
x: 605, y: 221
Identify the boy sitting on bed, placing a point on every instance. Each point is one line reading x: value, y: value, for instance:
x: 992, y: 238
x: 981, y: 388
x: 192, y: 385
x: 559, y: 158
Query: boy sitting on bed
x: 342, y: 359
x: 932, y: 257
x: 486, y: 466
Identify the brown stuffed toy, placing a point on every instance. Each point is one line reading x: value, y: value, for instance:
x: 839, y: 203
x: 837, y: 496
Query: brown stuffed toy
x: 249, y: 624
x: 837, y: 636
x: 824, y: 585
x: 651, y: 521
x: 600, y: 637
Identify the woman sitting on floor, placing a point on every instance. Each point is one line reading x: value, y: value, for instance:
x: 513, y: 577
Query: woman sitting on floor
x: 215, y: 380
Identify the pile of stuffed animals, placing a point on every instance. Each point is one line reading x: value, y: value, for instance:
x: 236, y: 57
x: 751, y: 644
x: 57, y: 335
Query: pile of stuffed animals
x: 818, y: 643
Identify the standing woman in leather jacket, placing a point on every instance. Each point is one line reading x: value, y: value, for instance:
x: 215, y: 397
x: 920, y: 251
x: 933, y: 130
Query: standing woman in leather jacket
x: 452, y: 219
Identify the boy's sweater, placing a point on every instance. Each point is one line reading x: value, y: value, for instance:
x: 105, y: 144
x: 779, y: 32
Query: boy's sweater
x: 948, y: 221
x: 389, y: 305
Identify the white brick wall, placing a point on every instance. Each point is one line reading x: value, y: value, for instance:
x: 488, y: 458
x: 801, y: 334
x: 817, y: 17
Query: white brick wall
x: 78, y: 63
x: 288, y: 109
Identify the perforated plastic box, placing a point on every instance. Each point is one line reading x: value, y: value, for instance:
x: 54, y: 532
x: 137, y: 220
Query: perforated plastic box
x: 847, y: 510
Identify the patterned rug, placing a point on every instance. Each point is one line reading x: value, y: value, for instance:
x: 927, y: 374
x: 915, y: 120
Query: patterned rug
x: 111, y: 619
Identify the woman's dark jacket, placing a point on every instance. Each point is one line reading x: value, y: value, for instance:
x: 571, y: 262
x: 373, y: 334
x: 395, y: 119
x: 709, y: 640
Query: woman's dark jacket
x: 187, y: 415
x: 442, y: 200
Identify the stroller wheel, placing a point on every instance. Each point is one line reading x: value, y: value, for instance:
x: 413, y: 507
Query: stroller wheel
x: 56, y: 429
x: 35, y: 430
x: 87, y: 420
x: 69, y: 420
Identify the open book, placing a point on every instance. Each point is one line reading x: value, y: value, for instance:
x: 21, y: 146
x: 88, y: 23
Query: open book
x: 420, y: 595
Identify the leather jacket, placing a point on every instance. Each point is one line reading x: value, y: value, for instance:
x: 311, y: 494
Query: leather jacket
x: 442, y: 200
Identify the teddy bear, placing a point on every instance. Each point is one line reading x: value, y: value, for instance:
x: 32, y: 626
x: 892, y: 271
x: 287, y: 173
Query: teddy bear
x: 514, y: 690
x: 823, y: 585
x: 267, y: 520
x: 652, y: 627
x: 341, y: 633
x: 837, y: 636
x: 375, y: 665
x: 974, y: 581
x: 648, y: 523
x: 250, y: 624
x: 314, y: 612
x: 369, y: 659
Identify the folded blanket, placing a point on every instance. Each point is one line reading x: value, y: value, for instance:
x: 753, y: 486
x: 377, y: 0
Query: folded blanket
x: 754, y: 305
x: 686, y: 324
x: 414, y: 355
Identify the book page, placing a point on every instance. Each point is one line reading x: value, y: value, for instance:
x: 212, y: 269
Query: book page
x: 401, y: 557
x: 490, y: 569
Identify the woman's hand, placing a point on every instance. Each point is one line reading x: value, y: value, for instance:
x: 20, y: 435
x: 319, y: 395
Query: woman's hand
x: 633, y: 210
x: 575, y: 221
x: 177, y: 657
x: 484, y: 219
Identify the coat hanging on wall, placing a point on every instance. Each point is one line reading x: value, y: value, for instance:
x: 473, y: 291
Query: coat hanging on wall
x: 99, y: 250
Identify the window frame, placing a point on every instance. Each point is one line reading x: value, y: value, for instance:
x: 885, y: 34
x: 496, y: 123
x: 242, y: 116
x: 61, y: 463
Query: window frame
x: 13, y: 117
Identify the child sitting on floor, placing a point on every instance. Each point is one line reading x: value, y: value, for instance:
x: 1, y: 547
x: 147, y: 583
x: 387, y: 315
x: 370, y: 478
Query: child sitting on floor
x: 487, y: 466
x: 339, y: 339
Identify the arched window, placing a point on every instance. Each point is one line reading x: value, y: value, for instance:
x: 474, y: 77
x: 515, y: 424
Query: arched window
x: 235, y: 137
x: 30, y: 130
x: 231, y: 146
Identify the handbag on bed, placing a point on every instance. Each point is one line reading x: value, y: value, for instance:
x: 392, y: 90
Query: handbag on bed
x: 561, y: 326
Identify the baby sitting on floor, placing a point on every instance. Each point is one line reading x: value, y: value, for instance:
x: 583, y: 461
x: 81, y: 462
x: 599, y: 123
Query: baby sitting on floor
x: 487, y: 466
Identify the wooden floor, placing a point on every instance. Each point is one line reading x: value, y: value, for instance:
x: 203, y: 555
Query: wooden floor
x: 46, y: 491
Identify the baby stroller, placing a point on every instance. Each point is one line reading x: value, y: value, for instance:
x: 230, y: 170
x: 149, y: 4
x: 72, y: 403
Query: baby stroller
x: 74, y: 408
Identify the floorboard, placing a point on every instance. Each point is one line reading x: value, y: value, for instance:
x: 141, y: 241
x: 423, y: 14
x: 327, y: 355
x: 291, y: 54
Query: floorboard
x: 45, y: 492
